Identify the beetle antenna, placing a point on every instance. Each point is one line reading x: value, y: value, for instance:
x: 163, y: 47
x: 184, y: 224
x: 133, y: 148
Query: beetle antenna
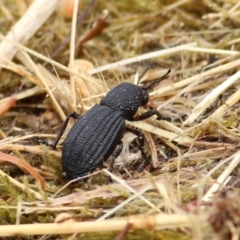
x: 144, y: 72
x: 158, y: 80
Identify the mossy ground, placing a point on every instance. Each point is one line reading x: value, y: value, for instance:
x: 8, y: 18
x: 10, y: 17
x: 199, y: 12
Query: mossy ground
x: 201, y: 139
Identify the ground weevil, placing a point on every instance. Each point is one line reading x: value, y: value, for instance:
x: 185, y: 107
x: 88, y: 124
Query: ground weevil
x: 98, y: 133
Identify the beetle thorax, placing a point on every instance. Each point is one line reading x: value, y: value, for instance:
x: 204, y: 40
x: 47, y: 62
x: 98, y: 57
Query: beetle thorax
x: 126, y: 98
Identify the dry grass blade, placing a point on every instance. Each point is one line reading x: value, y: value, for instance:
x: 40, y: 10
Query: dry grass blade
x: 171, y: 136
x: 212, y: 50
x: 30, y: 149
x: 125, y: 185
x: 222, y: 178
x: 194, y: 148
x: 20, y: 163
x: 159, y: 221
x: 211, y: 97
x: 233, y: 99
x: 153, y: 149
x: 6, y: 105
x: 21, y: 186
x: 38, y: 55
x: 203, y: 75
x: 24, y: 94
x: 72, y: 50
x: 121, y: 205
x: 24, y: 29
x: 143, y: 57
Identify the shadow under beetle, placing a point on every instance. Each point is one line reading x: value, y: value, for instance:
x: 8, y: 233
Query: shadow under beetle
x: 98, y: 133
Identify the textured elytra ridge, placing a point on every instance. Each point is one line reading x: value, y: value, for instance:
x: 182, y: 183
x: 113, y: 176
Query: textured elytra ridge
x: 91, y: 140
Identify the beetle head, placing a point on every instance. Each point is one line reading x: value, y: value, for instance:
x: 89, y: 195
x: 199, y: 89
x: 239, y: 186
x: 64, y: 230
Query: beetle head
x: 128, y: 97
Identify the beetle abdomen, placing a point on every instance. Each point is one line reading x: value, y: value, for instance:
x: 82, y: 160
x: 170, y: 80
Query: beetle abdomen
x: 91, y: 140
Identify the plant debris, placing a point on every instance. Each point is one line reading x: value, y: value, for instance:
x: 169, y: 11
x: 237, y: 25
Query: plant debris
x: 190, y: 190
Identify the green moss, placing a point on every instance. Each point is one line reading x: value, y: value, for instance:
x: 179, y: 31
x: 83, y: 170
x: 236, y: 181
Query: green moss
x: 135, y: 235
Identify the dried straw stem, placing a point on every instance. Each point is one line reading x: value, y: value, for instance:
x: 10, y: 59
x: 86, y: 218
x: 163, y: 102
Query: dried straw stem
x: 25, y: 28
x: 159, y: 221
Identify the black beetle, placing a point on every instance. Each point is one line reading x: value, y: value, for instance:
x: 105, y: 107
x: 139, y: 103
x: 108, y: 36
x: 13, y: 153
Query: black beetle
x: 98, y: 133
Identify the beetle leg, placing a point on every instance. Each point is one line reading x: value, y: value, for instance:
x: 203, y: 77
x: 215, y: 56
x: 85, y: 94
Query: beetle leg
x: 54, y: 144
x: 141, y: 139
x: 115, y: 154
x: 148, y: 114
